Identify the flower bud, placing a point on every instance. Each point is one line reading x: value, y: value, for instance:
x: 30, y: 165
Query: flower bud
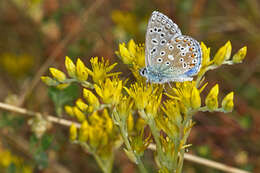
x: 70, y: 66
x: 73, y: 132
x: 240, y: 55
x: 83, y: 132
x: 91, y: 98
x: 80, y: 116
x: 124, y: 53
x: 212, y: 98
x: 81, y: 105
x: 223, y: 54
x: 195, y: 98
x: 49, y: 81
x: 81, y: 71
x: 227, y: 102
x: 69, y: 110
x: 57, y: 74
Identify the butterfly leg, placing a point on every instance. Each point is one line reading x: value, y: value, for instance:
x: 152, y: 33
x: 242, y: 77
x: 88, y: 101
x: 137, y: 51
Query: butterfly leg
x: 169, y: 83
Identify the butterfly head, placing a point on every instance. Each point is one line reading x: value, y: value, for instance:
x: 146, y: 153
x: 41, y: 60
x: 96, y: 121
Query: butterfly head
x: 151, y: 75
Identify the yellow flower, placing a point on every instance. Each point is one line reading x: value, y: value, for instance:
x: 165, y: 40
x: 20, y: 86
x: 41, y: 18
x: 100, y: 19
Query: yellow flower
x: 80, y: 115
x: 183, y: 92
x: 73, y: 132
x: 81, y: 105
x: 130, y: 122
x: 125, y: 20
x: 49, y: 81
x: 110, y: 91
x: 125, y: 107
x: 62, y: 86
x: 16, y: 65
x: 125, y: 54
x: 240, y: 55
x: 57, y: 74
x: 96, y: 135
x: 132, y: 54
x: 142, y: 94
x: 172, y: 110
x: 81, y: 71
x: 91, y: 98
x: 69, y: 110
x: 70, y: 66
x: 212, y: 98
x: 222, y: 54
x: 227, y: 102
x: 195, y: 98
x: 153, y: 105
x: 84, y: 131
x: 205, y: 59
x: 101, y: 69
x: 108, y: 121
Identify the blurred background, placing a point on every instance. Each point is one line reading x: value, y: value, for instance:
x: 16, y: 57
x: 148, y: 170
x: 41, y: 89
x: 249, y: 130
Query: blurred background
x: 37, y: 34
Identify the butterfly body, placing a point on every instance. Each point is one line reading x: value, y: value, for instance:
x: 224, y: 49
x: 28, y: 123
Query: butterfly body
x: 169, y: 55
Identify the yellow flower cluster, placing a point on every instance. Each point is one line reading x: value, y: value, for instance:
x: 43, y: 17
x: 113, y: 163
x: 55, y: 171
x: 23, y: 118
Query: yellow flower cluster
x: 132, y: 55
x: 7, y: 158
x: 10, y: 61
x: 113, y: 112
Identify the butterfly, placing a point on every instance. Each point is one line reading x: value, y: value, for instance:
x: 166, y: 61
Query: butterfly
x: 169, y: 55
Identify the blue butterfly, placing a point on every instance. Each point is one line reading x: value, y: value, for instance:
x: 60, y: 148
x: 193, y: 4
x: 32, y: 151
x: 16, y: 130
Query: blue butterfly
x: 169, y: 55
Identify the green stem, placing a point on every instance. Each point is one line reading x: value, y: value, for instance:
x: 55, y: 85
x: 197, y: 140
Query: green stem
x: 124, y: 133
x: 156, y: 135
x: 139, y: 162
x: 105, y: 165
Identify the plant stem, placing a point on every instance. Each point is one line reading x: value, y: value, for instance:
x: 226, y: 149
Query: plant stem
x: 156, y: 135
x: 124, y: 133
x: 105, y: 165
x: 139, y: 162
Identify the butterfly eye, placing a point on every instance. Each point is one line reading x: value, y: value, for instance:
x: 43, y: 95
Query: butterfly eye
x: 167, y: 63
x: 159, y: 60
x: 181, y: 59
x: 151, y: 30
x: 178, y: 46
x: 159, y: 29
x: 182, y: 54
x: 170, y: 47
x: 184, y: 65
x: 182, y: 48
x: 155, y: 29
x: 143, y: 71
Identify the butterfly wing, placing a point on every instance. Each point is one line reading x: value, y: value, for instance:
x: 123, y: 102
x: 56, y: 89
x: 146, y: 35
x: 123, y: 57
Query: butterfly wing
x: 182, y: 56
x: 160, y: 30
